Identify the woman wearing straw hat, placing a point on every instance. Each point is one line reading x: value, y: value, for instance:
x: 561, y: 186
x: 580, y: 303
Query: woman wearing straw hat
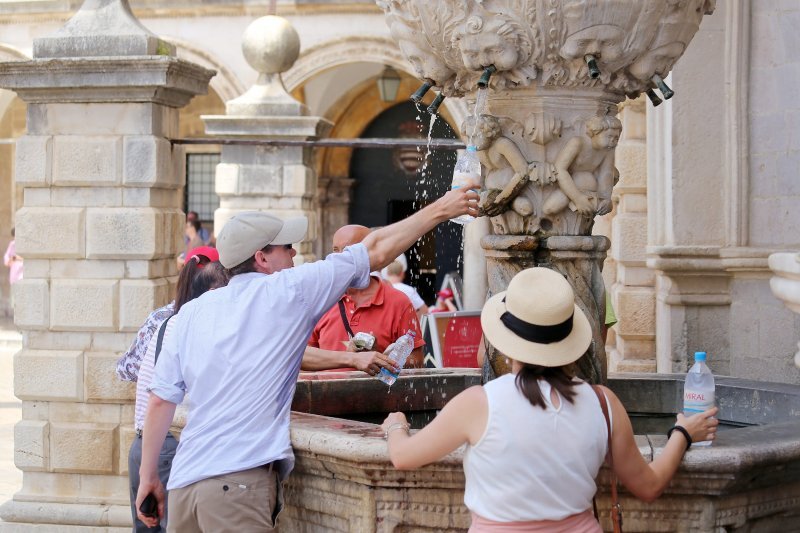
x: 536, y: 438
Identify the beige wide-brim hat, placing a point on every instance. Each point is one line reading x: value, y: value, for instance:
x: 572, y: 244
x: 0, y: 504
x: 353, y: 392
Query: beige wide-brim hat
x: 248, y: 232
x: 538, y: 306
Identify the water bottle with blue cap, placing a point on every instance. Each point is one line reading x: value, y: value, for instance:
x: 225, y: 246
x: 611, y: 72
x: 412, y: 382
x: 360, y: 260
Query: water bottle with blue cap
x: 698, y: 390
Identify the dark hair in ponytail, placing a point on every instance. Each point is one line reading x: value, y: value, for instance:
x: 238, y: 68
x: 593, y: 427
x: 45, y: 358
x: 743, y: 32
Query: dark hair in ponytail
x: 559, y: 377
x: 197, y: 276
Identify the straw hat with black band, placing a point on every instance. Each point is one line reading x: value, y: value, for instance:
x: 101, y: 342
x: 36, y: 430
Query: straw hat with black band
x: 536, y: 320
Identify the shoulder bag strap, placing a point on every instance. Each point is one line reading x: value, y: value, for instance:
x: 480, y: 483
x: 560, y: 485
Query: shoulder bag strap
x: 160, y: 338
x: 345, y: 321
x: 616, y: 509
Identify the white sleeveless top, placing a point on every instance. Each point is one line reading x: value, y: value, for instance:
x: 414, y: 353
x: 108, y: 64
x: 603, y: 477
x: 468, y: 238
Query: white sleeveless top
x: 531, y: 463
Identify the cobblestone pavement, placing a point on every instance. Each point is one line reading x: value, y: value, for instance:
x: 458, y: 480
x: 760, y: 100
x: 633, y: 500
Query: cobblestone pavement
x: 10, y: 412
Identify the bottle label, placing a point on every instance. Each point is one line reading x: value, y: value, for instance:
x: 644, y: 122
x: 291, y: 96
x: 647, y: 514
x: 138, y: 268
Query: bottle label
x: 697, y: 401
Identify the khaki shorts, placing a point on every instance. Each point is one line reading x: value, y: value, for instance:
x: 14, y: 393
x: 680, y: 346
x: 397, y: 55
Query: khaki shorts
x: 246, y: 501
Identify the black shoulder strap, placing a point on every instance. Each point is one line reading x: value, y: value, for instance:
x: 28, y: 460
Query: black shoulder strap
x: 344, y: 319
x: 160, y: 338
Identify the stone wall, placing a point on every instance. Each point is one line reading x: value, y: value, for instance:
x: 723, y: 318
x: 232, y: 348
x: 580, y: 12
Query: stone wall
x: 723, y: 194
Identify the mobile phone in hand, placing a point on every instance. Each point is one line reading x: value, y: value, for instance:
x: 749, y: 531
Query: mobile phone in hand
x: 149, y: 506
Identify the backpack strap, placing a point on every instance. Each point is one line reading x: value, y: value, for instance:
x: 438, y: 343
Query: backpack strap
x: 160, y: 338
x: 616, y: 509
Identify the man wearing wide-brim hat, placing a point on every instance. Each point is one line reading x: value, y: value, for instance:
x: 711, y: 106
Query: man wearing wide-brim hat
x: 237, y: 351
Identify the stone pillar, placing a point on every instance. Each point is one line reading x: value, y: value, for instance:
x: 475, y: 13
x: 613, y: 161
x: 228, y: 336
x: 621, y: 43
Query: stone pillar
x: 99, y: 229
x: 785, y: 284
x: 280, y: 180
x: 633, y: 294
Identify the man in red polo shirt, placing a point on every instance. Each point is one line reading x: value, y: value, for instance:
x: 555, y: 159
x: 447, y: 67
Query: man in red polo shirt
x: 380, y: 310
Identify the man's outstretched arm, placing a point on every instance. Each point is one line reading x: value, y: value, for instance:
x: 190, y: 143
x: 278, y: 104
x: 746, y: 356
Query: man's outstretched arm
x: 385, y: 244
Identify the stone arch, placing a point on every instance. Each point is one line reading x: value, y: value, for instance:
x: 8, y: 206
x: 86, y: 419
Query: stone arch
x: 334, y: 53
x: 10, y: 53
x: 226, y: 84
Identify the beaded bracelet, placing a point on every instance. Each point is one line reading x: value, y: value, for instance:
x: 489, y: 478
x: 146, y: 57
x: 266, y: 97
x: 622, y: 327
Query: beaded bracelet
x: 392, y: 427
x: 681, y: 429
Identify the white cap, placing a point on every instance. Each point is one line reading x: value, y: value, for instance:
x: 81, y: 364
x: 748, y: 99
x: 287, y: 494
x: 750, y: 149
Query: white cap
x: 248, y: 232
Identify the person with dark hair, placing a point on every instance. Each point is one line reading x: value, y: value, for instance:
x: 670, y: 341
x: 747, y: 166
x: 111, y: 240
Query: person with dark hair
x: 237, y: 351
x: 537, y: 437
x: 198, y: 276
x: 203, y: 233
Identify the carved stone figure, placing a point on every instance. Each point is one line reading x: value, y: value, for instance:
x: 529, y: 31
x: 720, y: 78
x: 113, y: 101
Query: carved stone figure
x: 547, y: 135
x: 585, y: 170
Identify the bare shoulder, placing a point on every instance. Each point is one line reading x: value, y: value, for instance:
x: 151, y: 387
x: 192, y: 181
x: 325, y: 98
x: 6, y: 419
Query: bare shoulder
x: 471, y: 398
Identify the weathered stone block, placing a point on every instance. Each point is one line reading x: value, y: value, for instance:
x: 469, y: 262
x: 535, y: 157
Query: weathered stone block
x: 31, y: 304
x: 36, y: 197
x: 123, y: 233
x: 82, y: 448
x: 101, y: 380
x: 37, y: 268
x: 636, y: 349
x: 132, y: 118
x: 629, y: 240
x: 151, y: 197
x: 637, y: 307
x: 31, y: 445
x: 88, y: 269
x: 148, y: 161
x: 83, y: 305
x: 630, y: 158
x: 78, y: 413
x: 111, y: 342
x: 138, y: 298
x: 58, y: 340
x: 34, y: 160
x: 158, y: 268
x: 48, y: 375
x: 85, y: 196
x: 635, y: 275
x: 126, y: 436
x: 298, y: 180
x: 50, y: 233
x: 86, y: 160
x: 226, y: 179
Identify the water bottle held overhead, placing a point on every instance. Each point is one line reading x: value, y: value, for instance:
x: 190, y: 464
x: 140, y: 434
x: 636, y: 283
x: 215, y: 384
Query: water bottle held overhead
x: 467, y: 171
x: 699, y: 390
x: 399, y: 354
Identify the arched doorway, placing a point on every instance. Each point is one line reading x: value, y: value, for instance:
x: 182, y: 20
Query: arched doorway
x: 389, y: 185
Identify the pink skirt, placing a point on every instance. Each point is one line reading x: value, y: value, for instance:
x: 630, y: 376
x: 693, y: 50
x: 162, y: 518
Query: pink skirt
x: 584, y: 522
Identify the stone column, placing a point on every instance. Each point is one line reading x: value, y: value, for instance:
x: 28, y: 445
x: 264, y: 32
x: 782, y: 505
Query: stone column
x: 99, y: 229
x: 633, y: 294
x: 280, y: 180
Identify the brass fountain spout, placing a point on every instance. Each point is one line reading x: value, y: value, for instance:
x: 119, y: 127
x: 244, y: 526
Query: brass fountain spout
x: 651, y: 94
x: 663, y: 87
x: 487, y: 73
x: 424, y: 88
x: 434, y: 107
x: 591, y: 62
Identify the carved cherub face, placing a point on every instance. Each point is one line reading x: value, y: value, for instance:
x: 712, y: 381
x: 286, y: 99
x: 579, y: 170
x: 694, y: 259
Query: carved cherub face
x: 425, y: 63
x: 494, y: 41
x: 657, y: 61
x: 484, y: 49
x: 603, y: 41
x: 606, y: 139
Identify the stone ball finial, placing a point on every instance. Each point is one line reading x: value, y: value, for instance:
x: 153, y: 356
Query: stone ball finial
x: 271, y: 45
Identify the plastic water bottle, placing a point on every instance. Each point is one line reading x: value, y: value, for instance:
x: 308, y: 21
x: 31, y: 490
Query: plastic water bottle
x: 466, y: 171
x: 400, y: 351
x: 698, y: 391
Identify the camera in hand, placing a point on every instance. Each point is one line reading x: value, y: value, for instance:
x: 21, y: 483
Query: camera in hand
x: 149, y: 506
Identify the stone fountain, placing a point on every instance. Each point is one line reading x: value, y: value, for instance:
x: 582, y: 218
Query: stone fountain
x: 555, y: 71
